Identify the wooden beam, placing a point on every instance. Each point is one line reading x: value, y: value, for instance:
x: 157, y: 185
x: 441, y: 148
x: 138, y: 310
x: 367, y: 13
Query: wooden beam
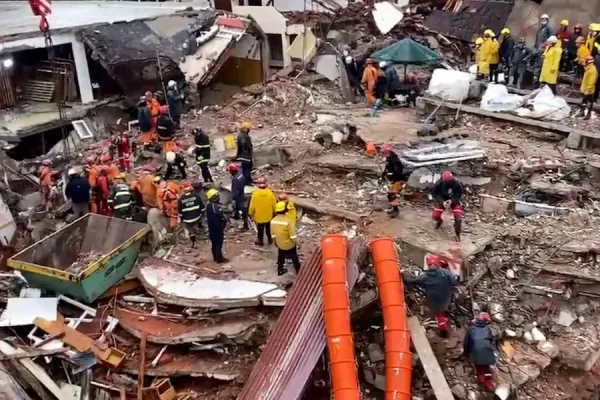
x: 429, y: 361
x: 140, y: 383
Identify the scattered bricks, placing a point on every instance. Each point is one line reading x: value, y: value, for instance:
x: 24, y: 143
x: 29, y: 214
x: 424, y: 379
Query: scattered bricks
x: 495, y: 205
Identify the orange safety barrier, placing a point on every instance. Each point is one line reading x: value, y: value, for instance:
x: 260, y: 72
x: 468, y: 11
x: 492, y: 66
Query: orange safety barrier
x: 336, y: 313
x: 398, y: 358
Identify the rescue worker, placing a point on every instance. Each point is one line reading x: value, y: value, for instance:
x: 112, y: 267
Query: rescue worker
x: 160, y: 186
x: 447, y: 192
x: 290, y: 208
x: 103, y: 190
x: 506, y: 49
x: 123, y: 145
x: 353, y: 75
x: 175, y: 102
x: 551, y: 64
x: 521, y: 57
x: 393, y: 173
x: 544, y: 32
x: 175, y: 159
x: 283, y: 232
x: 165, y: 129
x: 494, y: 58
x: 245, y: 151
x: 202, y: 153
x: 591, y: 37
x: 478, y: 345
x: 46, y: 183
x: 190, y: 208
x: 596, y: 44
x: 111, y: 167
x: 487, y: 47
x: 91, y: 170
x: 146, y: 188
x: 78, y: 191
x: 238, y: 183
x: 216, y: 225
x: 380, y: 89
x: 120, y: 199
x: 572, y: 46
x: 563, y: 35
x: 582, y: 53
x: 483, y: 68
x: 438, y: 282
x: 391, y: 80
x: 153, y: 109
x: 588, y: 86
x: 169, y: 199
x: 369, y: 78
x: 262, y: 210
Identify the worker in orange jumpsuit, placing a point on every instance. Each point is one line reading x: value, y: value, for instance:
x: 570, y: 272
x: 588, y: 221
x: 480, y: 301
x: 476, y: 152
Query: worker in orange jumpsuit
x: 103, y: 190
x: 170, y: 198
x: 148, y: 111
x: 160, y: 193
x: 46, y: 183
x: 91, y: 170
x: 154, y: 110
x: 368, y: 80
x: 145, y: 187
x: 113, y: 170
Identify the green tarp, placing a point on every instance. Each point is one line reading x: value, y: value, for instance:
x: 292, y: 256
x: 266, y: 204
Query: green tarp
x: 406, y: 51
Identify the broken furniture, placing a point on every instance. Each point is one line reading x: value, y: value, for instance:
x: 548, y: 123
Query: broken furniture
x: 105, y: 249
x: 160, y: 389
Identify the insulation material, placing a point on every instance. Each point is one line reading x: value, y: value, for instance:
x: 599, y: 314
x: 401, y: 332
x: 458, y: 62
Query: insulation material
x: 386, y: 16
x: 304, y: 46
x: 22, y: 311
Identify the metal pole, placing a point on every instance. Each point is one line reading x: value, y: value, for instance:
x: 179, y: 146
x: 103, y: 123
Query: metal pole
x: 162, y: 81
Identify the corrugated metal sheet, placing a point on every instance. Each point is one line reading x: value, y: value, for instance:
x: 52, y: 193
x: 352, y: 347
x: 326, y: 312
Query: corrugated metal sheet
x: 298, y: 339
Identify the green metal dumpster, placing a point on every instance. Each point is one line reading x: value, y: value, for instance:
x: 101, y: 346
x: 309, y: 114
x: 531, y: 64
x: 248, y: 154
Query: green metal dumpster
x: 105, y: 247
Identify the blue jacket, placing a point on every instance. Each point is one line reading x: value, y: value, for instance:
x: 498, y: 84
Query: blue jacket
x: 479, y: 344
x: 78, y: 190
x: 216, y: 221
x: 237, y: 190
x: 438, y: 284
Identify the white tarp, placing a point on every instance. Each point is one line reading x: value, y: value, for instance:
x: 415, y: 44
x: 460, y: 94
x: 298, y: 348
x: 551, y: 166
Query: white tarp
x: 496, y: 98
x: 22, y: 311
x: 546, y: 106
x: 450, y: 85
x: 386, y: 16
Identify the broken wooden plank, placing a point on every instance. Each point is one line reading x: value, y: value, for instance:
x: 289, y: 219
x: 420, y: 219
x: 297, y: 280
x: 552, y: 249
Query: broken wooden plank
x: 33, y: 353
x: 12, y: 388
x: 140, y: 382
x: 430, y: 364
x: 551, y: 126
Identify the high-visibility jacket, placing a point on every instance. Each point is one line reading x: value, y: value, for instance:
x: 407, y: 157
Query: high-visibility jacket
x: 486, y: 53
x: 146, y: 187
x: 283, y: 232
x: 495, y: 52
x: 552, y: 57
x: 160, y: 194
x: 589, y: 41
x: 588, y: 83
x: 46, y: 177
x: 483, y: 67
x: 190, y: 207
x: 582, y: 53
x: 202, y: 149
x: 290, y: 209
x: 262, y: 206
x: 120, y: 197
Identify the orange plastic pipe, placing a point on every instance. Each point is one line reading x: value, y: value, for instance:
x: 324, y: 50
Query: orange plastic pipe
x: 336, y: 313
x: 398, y: 358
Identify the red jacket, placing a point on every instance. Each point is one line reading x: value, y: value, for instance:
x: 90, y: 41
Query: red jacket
x: 102, y: 186
x: 564, y: 35
x: 124, y: 146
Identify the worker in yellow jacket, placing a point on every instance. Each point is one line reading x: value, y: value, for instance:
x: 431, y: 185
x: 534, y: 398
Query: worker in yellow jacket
x: 494, y: 59
x: 262, y: 210
x: 588, y: 86
x: 284, y: 234
x: 483, y: 69
x: 551, y: 63
x: 487, y: 48
x: 591, y: 36
x: 290, y: 208
x: 582, y: 53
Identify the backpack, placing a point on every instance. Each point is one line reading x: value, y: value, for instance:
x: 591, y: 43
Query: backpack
x: 144, y: 120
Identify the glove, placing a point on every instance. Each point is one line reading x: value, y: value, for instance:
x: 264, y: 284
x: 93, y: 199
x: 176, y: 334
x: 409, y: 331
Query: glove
x: 447, y: 203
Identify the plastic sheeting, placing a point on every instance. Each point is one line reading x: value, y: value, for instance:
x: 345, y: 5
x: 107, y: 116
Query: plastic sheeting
x: 546, y: 106
x: 450, y: 85
x: 496, y: 98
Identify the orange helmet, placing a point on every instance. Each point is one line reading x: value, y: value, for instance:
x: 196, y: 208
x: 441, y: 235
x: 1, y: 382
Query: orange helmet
x: 90, y: 160
x: 233, y: 168
x: 386, y: 149
x: 105, y: 157
x: 186, y: 186
x: 47, y: 161
x: 447, y: 176
x: 282, y: 197
x: 261, y: 182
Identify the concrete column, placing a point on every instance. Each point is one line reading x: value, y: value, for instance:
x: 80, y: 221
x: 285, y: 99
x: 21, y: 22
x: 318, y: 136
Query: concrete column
x: 285, y: 41
x: 83, y: 72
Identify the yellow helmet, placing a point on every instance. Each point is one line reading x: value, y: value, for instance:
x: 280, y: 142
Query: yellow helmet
x: 505, y: 31
x: 211, y: 193
x: 479, y: 41
x: 595, y: 27
x: 280, y: 206
x: 564, y: 22
x: 488, y: 32
x: 245, y: 127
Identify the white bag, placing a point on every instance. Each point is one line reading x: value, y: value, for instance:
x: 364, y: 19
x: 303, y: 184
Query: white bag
x: 546, y: 106
x: 496, y: 98
x: 450, y: 85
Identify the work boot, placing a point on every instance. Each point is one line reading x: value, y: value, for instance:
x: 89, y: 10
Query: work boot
x: 223, y: 260
x: 457, y: 229
x: 270, y: 241
x: 280, y: 271
x: 259, y: 243
x: 438, y: 224
x: 193, y: 240
x: 393, y: 212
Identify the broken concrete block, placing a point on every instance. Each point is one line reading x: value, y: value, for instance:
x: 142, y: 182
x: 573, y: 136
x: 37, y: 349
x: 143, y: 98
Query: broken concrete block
x: 566, y: 317
x: 537, y: 335
x: 31, y: 200
x: 271, y: 155
x: 524, y: 209
x: 459, y: 391
x: 375, y: 353
x: 573, y: 140
x: 548, y: 348
x: 428, y: 130
x: 495, y: 205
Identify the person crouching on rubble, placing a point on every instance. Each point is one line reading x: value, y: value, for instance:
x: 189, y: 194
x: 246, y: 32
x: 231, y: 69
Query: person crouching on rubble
x: 438, y: 282
x: 393, y: 173
x: 175, y: 158
x: 165, y: 128
x: 238, y: 183
x: 588, y: 87
x: 447, y: 192
x: 78, y: 191
x: 283, y: 232
x: 143, y: 187
x: 262, y: 210
x: 216, y: 225
x: 551, y: 64
x: 120, y: 199
x: 478, y: 345
x: 190, y: 208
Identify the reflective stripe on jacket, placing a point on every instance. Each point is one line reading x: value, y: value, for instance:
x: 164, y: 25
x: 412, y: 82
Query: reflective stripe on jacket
x: 190, y: 207
x: 120, y: 197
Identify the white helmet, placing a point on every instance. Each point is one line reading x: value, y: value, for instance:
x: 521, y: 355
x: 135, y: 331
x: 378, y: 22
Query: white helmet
x: 170, y: 157
x: 346, y: 52
x: 545, y: 16
x: 349, y: 59
x: 383, y: 64
x: 553, y: 39
x: 171, y: 83
x: 72, y: 171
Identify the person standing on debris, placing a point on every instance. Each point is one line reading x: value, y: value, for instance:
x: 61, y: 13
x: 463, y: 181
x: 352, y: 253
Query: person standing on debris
x: 494, y: 58
x: 175, y: 102
x: 216, y: 225
x: 103, y: 190
x: 564, y: 34
x: 543, y: 33
x: 483, y: 68
x: 202, y: 153
x: 573, y: 45
x: 169, y: 199
x: 111, y: 167
x: 596, y: 43
x: 238, y: 183
x: 145, y: 119
x: 78, y: 191
x: 146, y: 188
x: 123, y: 145
x: 245, y: 151
x: 551, y: 64
x: 588, y: 86
x: 91, y: 171
x: 380, y: 89
x: 190, y: 208
x: 369, y: 78
x: 478, y: 345
x: 447, y: 193
x: 353, y: 74
x: 262, y: 210
x: 391, y: 79
x: 487, y: 47
x: 175, y: 159
x: 284, y: 234
x: 165, y: 129
x: 120, y: 199
x: 582, y: 53
x: 46, y: 183
x: 590, y: 37
x: 393, y: 173
x: 290, y: 208
x: 438, y: 282
x: 521, y: 55
x: 506, y: 49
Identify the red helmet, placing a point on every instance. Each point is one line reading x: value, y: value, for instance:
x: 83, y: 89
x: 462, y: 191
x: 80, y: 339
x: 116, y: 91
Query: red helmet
x: 164, y: 109
x: 233, y: 167
x: 447, y: 176
x: 433, y: 260
x: 186, y: 186
x: 105, y: 157
x: 47, y: 161
x: 90, y: 160
x: 282, y: 197
x: 483, y: 316
x: 579, y: 26
x: 386, y: 149
x: 261, y: 182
